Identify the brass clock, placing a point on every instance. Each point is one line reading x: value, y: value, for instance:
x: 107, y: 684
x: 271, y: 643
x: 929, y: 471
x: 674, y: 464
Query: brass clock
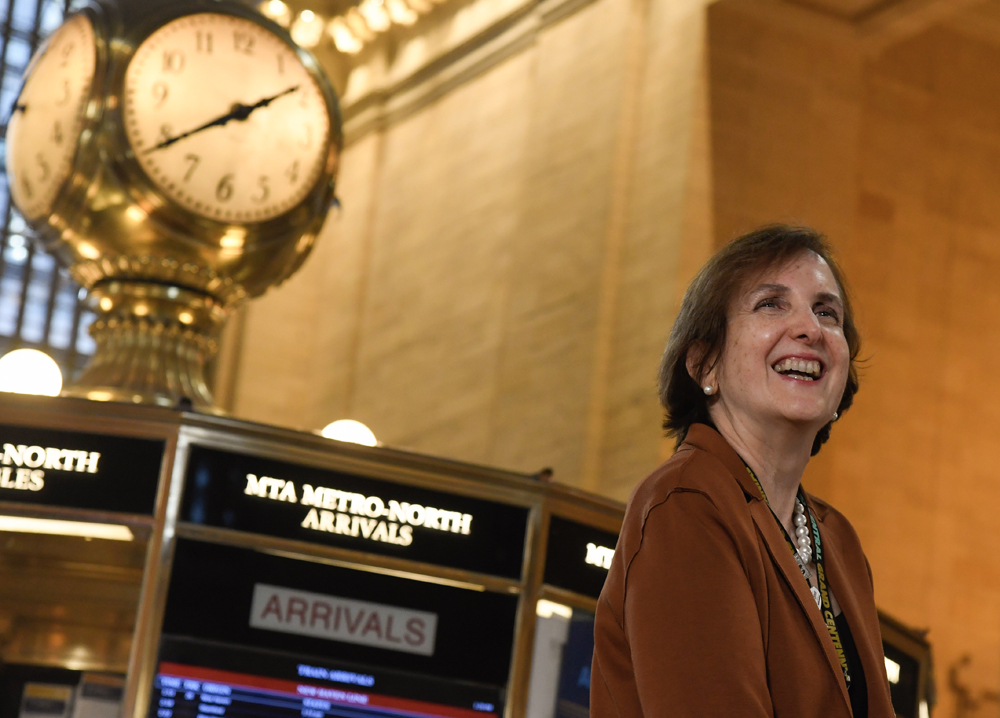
x: 180, y: 157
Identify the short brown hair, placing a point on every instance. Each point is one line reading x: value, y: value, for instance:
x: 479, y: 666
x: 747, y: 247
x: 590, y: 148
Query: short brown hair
x: 706, y: 304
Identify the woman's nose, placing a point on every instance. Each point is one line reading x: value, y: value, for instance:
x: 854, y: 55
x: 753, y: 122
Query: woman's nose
x: 805, y: 325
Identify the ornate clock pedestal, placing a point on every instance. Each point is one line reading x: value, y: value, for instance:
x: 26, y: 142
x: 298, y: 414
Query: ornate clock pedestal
x: 152, y: 345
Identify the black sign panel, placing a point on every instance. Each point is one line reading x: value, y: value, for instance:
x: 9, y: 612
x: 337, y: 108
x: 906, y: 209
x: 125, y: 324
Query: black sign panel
x: 578, y: 556
x: 249, y: 493
x: 221, y: 593
x: 77, y: 470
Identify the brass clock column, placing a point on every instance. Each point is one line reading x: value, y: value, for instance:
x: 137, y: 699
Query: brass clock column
x: 180, y: 158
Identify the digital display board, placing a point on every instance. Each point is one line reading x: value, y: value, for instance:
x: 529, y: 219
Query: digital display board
x: 79, y: 470
x: 264, y: 496
x: 250, y: 598
x: 256, y: 684
x: 578, y: 556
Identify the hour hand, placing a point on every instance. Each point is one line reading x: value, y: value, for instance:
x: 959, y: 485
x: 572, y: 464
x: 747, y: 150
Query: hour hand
x: 239, y: 112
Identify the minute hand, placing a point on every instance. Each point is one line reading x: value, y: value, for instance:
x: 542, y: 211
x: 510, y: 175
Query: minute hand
x: 239, y: 112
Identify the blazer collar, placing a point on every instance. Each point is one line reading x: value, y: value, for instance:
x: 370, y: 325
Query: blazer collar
x: 711, y: 441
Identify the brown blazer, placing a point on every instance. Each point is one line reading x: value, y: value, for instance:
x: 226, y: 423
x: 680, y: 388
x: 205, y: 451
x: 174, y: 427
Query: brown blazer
x: 705, y: 613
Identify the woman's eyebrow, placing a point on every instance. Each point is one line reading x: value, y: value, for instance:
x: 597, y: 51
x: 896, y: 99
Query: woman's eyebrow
x: 830, y: 298
x: 771, y: 289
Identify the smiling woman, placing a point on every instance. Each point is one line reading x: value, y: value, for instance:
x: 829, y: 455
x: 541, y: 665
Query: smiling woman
x: 732, y: 591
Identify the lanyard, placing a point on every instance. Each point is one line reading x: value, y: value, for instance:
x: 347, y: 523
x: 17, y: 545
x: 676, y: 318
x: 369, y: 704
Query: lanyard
x: 824, y: 591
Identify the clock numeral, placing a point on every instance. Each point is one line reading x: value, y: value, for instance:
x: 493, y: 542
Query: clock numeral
x: 66, y: 94
x: 243, y: 42
x: 173, y: 61
x: 224, y: 190
x: 166, y: 132
x: 57, y: 133
x: 29, y: 191
x: 292, y: 173
x: 204, y: 41
x: 160, y: 93
x: 194, y: 160
x: 265, y: 190
x: 43, y: 167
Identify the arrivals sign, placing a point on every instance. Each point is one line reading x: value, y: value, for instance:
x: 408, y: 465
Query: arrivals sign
x: 249, y: 493
x: 578, y: 556
x: 393, y: 628
x: 79, y: 470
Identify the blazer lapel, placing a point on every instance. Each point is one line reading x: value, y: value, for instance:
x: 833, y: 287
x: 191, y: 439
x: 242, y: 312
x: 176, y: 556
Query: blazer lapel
x: 777, y: 546
x: 868, y: 644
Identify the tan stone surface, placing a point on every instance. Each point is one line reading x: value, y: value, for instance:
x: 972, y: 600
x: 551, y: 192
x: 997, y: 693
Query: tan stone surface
x: 898, y: 158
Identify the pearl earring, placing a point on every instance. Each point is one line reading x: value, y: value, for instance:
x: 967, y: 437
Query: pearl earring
x: 708, y: 390
x: 835, y: 416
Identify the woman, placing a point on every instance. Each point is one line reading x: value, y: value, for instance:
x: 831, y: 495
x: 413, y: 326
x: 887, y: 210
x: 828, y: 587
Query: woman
x: 732, y: 592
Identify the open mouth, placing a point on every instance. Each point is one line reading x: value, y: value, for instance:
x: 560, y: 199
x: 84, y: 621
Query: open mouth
x: 801, y: 369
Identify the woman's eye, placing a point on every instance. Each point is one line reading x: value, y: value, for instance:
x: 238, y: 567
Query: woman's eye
x: 828, y: 312
x: 767, y: 303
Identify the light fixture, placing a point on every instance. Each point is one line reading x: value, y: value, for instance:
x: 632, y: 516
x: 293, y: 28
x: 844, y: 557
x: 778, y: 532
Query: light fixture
x: 307, y: 30
x: 401, y: 13
x: 546, y: 609
x: 892, y: 670
x: 373, y: 11
x: 345, y: 40
x: 277, y: 11
x: 358, y: 25
x: 57, y: 527
x: 421, y: 6
x: 353, y: 432
x: 29, y: 371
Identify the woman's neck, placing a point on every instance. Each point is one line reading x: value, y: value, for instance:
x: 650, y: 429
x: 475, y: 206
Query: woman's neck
x: 777, y: 454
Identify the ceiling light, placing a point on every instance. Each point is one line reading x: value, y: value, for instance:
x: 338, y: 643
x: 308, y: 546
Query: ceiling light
x: 421, y: 6
x: 373, y: 11
x: 276, y: 10
x: 351, y: 431
x: 358, y: 25
x: 307, y: 30
x: 892, y: 670
x: 345, y: 40
x: 400, y: 12
x: 29, y: 371
x: 109, y: 532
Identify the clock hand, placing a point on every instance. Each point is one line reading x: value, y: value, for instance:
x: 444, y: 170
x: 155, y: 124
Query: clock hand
x: 238, y: 112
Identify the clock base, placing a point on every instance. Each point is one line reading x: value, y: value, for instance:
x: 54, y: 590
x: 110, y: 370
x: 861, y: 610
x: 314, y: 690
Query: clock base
x: 153, y: 342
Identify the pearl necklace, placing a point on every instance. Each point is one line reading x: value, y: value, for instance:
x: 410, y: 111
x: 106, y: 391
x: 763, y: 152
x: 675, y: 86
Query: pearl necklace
x: 804, y: 549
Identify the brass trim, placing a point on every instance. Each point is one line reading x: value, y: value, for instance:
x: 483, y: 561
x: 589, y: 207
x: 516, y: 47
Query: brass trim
x: 519, y: 674
x: 568, y: 598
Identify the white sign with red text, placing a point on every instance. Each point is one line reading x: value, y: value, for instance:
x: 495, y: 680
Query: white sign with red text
x: 318, y: 615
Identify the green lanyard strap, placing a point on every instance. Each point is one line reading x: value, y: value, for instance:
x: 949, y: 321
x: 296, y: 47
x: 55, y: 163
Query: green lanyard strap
x: 824, y: 591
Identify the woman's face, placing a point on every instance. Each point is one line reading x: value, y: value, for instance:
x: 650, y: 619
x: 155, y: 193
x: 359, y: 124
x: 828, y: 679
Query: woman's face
x: 785, y: 358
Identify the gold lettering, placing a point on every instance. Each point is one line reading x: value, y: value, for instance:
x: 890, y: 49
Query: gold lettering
x: 343, y: 524
x: 288, y: 493
x: 311, y: 521
x: 255, y: 486
x: 311, y: 496
x: 13, y: 454
x: 326, y: 521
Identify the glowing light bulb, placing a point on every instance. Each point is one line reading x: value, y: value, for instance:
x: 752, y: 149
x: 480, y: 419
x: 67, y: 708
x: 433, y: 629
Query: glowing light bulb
x: 401, y: 13
x: 277, y: 11
x: 345, y: 40
x: 351, y: 431
x: 307, y: 30
x: 373, y: 11
x: 29, y: 371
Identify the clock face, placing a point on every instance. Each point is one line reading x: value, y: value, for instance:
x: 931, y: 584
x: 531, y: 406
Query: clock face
x: 48, y: 117
x: 224, y: 118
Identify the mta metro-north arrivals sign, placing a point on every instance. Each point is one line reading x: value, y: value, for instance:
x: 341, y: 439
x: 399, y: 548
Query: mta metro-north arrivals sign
x: 265, y: 496
x: 77, y: 470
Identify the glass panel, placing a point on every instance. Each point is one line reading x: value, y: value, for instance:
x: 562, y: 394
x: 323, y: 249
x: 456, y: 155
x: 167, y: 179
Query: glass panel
x: 560, y: 664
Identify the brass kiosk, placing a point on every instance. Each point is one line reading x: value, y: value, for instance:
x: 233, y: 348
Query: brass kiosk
x: 228, y: 568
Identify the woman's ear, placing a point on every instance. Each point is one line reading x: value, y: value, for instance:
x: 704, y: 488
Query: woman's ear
x: 694, y: 362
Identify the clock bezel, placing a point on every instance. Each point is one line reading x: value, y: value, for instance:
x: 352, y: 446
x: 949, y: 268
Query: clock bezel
x: 158, y: 205
x: 85, y: 154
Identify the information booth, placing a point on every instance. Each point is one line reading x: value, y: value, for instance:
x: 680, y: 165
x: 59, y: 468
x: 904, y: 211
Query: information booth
x: 162, y: 564
x: 176, y: 565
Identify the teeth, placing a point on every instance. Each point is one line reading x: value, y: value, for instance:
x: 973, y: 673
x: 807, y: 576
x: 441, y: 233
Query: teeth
x: 809, y: 367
